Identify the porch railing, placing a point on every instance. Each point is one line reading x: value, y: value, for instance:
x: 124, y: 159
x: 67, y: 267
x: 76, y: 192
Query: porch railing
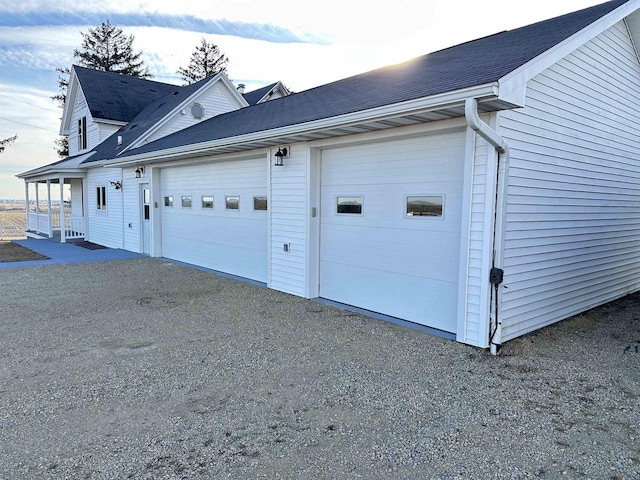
x: 38, y: 223
x: 73, y: 227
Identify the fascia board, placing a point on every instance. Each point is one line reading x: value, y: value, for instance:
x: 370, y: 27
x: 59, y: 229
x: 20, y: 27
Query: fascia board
x: 513, y: 85
x: 379, y: 113
x: 118, y: 123
x: 266, y: 96
x: 69, y: 103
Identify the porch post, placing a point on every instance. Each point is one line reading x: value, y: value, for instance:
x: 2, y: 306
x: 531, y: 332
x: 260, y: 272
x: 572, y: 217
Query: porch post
x: 50, y: 232
x: 63, y: 218
x: 37, y: 207
x: 26, y: 200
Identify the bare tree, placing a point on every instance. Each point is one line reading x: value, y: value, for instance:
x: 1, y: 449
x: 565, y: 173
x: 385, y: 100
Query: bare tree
x: 6, y: 142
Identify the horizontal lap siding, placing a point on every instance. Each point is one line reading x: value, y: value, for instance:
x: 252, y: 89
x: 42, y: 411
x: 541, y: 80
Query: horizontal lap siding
x: 289, y: 223
x: 478, y: 240
x: 105, y: 226
x: 215, y: 100
x: 572, y: 237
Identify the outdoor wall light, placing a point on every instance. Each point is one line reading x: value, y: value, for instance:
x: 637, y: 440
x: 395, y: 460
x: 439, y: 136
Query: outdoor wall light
x: 139, y: 172
x: 116, y: 185
x: 280, y: 154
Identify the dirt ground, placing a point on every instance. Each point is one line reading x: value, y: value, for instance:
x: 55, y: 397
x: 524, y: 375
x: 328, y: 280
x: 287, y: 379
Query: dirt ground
x: 12, y: 252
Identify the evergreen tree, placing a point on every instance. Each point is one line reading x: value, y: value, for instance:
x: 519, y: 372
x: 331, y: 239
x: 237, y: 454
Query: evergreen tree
x: 207, y: 60
x: 105, y: 48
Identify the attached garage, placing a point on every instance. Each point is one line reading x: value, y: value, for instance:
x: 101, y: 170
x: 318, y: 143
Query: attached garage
x: 391, y: 226
x: 215, y: 216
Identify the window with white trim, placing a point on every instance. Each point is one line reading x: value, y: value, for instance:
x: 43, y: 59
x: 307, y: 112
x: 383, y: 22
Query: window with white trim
x: 207, y: 201
x: 232, y: 202
x: 82, y: 133
x: 259, y: 203
x: 429, y: 206
x: 101, y: 198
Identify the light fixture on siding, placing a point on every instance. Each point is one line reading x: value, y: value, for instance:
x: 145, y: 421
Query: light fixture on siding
x: 116, y: 185
x: 280, y: 154
x: 139, y: 172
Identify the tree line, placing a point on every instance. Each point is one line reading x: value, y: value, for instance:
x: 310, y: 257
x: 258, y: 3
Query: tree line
x: 109, y: 49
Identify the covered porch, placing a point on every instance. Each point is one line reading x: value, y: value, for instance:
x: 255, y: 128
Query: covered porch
x: 54, y: 197
x: 57, y: 214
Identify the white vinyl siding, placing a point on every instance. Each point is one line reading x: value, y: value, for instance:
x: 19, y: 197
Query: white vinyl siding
x: 479, y: 245
x: 105, y: 226
x: 215, y: 100
x: 572, y: 237
x: 288, y: 217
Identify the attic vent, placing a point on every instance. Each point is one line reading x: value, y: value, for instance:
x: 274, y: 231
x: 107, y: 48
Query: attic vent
x: 197, y: 110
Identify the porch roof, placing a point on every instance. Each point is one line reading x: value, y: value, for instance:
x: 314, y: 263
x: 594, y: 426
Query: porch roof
x: 67, y: 168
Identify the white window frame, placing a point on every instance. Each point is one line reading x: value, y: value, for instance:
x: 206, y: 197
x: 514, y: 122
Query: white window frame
x: 170, y: 199
x: 207, y: 197
x: 226, y: 203
x: 101, y: 198
x: 431, y: 218
x: 82, y: 134
x: 337, y: 197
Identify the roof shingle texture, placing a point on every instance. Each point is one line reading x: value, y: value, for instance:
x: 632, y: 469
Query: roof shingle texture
x: 473, y: 63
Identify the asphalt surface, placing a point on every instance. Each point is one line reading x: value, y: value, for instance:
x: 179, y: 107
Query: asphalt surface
x: 147, y: 369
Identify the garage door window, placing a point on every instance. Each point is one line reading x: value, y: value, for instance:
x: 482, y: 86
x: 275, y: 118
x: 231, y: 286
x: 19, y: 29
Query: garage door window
x: 186, y: 201
x: 424, y: 206
x: 207, y: 201
x: 259, y: 203
x: 232, y: 202
x: 351, y: 205
x: 168, y: 201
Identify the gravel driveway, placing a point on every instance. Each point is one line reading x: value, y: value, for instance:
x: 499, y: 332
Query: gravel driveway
x: 147, y: 369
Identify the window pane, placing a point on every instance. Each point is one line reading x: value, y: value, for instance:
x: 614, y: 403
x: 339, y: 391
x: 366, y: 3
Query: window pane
x: 259, y: 203
x: 350, y: 205
x: 425, y: 206
x: 168, y: 201
x: 207, y: 201
x: 232, y: 203
x: 186, y: 201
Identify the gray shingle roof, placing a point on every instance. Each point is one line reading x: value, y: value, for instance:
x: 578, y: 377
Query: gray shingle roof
x: 469, y: 64
x: 111, y: 96
x: 253, y: 97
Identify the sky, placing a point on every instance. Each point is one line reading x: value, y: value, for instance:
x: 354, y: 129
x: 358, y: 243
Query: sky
x: 302, y: 44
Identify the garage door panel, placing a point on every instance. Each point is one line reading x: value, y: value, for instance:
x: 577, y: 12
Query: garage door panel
x: 231, y: 241
x: 232, y: 259
x: 382, y: 260
x: 427, y: 302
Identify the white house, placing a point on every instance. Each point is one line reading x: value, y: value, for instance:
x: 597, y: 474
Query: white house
x: 485, y: 190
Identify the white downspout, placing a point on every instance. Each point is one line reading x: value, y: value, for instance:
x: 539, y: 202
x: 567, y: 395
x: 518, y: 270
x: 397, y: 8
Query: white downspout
x: 495, y: 140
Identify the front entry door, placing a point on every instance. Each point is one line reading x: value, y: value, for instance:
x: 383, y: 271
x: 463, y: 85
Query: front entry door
x: 145, y: 216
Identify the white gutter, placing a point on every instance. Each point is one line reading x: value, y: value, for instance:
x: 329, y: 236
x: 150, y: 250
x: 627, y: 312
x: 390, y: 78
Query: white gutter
x: 495, y: 140
x: 380, y: 113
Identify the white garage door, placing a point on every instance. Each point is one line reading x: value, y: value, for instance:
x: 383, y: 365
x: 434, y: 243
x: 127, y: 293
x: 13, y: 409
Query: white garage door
x: 390, y: 227
x: 215, y: 216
